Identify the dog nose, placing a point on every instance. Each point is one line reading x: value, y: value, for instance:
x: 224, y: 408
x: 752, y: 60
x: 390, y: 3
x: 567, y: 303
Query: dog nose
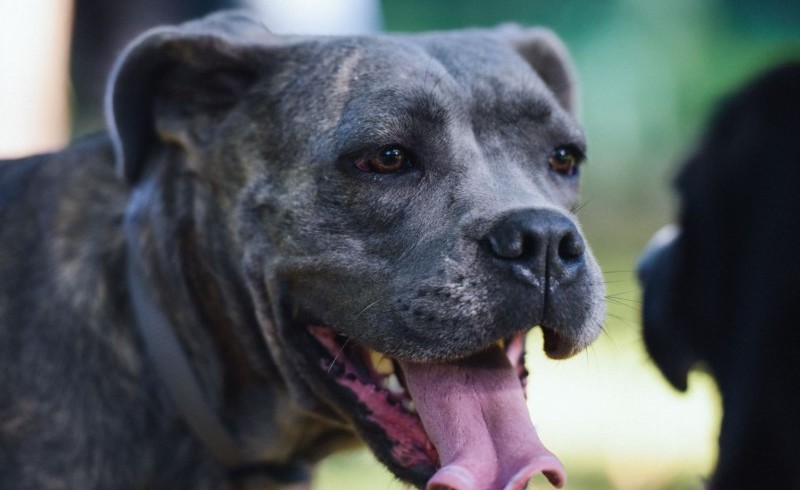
x: 538, y: 244
x: 661, y: 241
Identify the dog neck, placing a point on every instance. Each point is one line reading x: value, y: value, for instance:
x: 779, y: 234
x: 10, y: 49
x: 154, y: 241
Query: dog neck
x: 174, y: 369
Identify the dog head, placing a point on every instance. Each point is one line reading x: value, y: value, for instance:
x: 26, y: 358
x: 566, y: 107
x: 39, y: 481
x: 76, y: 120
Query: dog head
x: 720, y: 287
x: 400, y: 208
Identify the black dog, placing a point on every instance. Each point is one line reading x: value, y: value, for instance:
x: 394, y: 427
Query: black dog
x: 723, y: 289
x: 317, y: 241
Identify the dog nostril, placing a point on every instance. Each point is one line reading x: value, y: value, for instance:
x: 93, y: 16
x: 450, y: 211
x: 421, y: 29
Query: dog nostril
x: 507, y: 244
x: 570, y: 247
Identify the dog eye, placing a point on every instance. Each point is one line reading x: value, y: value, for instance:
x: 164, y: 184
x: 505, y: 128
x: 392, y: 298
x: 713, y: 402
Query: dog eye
x: 386, y: 160
x: 565, y: 160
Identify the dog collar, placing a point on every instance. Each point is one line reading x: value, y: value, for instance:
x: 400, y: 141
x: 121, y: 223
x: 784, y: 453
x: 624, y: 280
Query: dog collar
x: 172, y: 365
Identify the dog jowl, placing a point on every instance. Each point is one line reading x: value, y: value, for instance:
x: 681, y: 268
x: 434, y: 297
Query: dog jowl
x: 350, y: 237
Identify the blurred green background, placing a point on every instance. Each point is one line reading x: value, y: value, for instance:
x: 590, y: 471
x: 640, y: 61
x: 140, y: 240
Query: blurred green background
x: 650, y: 72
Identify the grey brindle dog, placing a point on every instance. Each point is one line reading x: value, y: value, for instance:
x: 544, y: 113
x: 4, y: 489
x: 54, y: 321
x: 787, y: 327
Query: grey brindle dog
x: 346, y: 237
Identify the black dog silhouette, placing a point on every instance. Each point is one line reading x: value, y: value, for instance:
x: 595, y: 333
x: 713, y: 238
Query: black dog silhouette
x: 722, y: 288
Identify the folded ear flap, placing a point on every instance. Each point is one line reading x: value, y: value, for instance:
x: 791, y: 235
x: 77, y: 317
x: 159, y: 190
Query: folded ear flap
x: 548, y: 55
x: 171, y: 82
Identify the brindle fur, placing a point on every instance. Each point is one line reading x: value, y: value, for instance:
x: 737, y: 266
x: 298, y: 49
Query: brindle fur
x: 227, y: 154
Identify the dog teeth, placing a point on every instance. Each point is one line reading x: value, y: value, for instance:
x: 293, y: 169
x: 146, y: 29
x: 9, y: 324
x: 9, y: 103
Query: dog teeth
x: 409, y: 405
x: 382, y: 364
x: 392, y: 384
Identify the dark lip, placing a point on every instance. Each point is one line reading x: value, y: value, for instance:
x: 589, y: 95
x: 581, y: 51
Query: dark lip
x: 399, y: 440
x: 395, y: 434
x: 557, y: 345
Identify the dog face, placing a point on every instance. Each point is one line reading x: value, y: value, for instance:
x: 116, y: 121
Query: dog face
x: 400, y: 208
x: 734, y: 216
x: 720, y: 288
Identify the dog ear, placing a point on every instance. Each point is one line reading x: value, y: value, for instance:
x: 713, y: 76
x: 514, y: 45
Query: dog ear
x: 172, y: 83
x: 549, y: 57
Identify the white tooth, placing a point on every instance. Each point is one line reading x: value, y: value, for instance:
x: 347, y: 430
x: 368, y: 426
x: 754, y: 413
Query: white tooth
x: 409, y: 405
x: 392, y: 384
x: 382, y: 364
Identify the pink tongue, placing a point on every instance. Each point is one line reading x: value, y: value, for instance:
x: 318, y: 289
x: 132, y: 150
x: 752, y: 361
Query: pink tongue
x: 475, y: 414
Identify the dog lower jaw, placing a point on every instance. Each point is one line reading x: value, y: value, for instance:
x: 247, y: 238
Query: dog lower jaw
x: 375, y: 382
x: 557, y: 345
x: 379, y: 385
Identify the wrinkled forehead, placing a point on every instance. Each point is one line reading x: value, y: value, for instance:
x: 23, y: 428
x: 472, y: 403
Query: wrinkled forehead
x: 470, y: 76
x: 473, y: 69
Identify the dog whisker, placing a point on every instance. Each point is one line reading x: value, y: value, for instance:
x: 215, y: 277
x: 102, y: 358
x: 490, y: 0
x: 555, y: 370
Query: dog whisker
x: 338, y: 354
x: 624, y: 301
x: 366, y: 308
x: 582, y: 205
x: 614, y: 282
x: 623, y: 271
x: 627, y: 322
x: 408, y: 250
x: 621, y: 295
x: 632, y: 307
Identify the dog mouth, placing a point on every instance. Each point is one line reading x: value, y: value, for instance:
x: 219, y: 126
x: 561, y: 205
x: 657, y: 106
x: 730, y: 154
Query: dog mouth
x: 461, y: 425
